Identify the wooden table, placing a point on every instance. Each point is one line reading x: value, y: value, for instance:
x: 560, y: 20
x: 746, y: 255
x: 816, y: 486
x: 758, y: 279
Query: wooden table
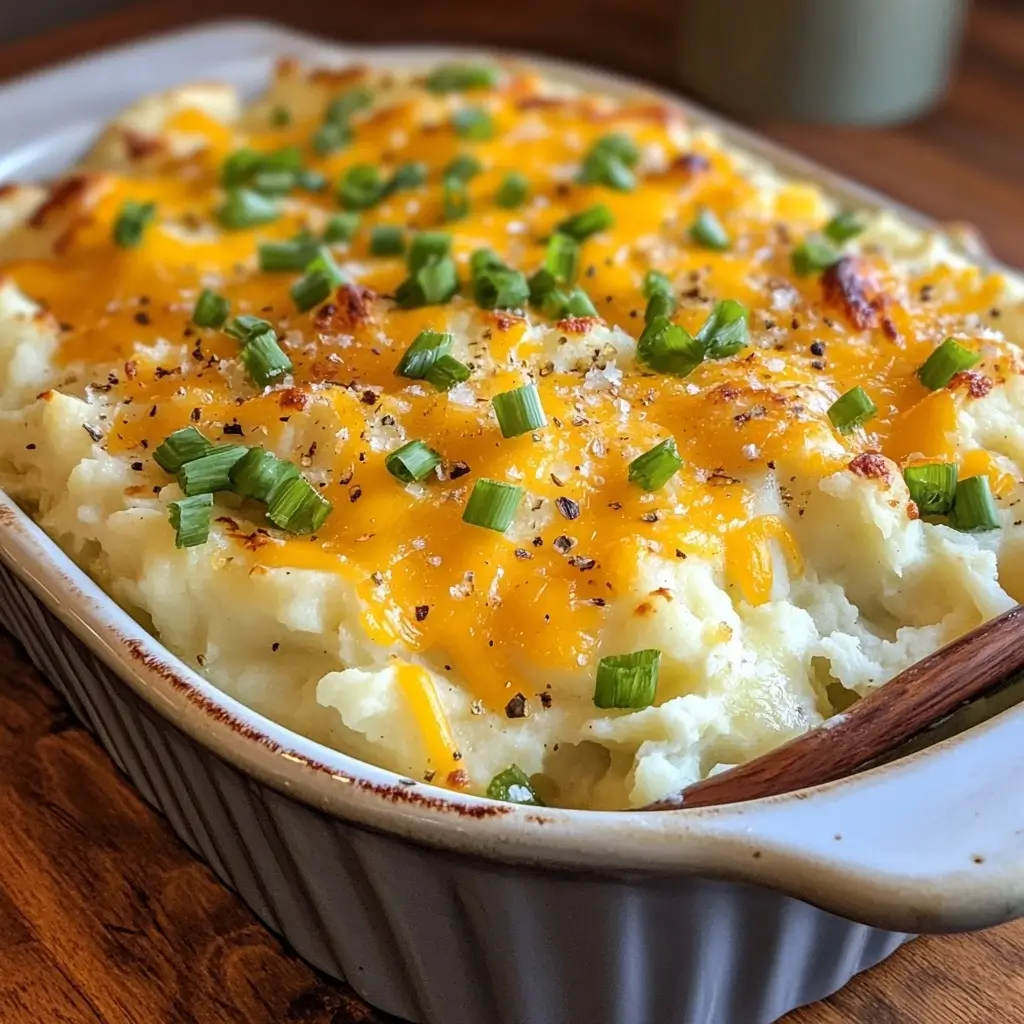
x: 105, y: 917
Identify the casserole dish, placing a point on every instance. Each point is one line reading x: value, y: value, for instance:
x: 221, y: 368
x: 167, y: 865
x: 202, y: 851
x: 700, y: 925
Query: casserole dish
x: 323, y: 846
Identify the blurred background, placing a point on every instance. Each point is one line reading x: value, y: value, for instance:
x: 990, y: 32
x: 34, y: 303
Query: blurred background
x: 923, y: 99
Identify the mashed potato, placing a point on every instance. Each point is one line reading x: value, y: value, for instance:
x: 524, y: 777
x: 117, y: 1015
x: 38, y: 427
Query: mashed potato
x: 772, y: 552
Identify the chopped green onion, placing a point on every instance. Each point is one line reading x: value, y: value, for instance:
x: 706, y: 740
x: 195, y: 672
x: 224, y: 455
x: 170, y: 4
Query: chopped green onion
x: 244, y: 208
x: 287, y: 158
x: 463, y: 167
x: 297, y: 506
x: 427, y: 246
x: 932, y: 487
x: 342, y: 107
x: 273, y: 183
x: 656, y: 282
x: 182, y: 446
x: 455, y: 199
x: 844, y: 226
x: 492, y: 505
x: 652, y: 470
x: 240, y: 166
x: 426, y: 349
x: 501, y: 288
x: 431, y: 285
x: 513, y: 786
x: 323, y: 263
x: 661, y: 304
x: 210, y: 472
x: 620, y: 146
x: 280, y: 117
x: 360, y: 187
x: 131, y: 222
x: 669, y: 348
x: 513, y: 190
x: 341, y: 227
x: 707, y: 231
x: 407, y: 176
x: 554, y: 304
x: 542, y: 283
x: 813, y: 255
x: 311, y: 181
x: 589, y: 222
x: 258, y: 472
x: 852, y: 410
x: 974, y: 509
x: 264, y: 359
x: 519, y: 411
x: 462, y: 77
x: 949, y: 359
x: 311, y: 290
x: 627, y: 680
x: 412, y: 462
x: 562, y: 258
x: 600, y: 168
x: 245, y: 327
x: 211, y: 309
x: 483, y: 260
x: 725, y: 331
x: 387, y: 240
x: 473, y: 123
x: 445, y: 372
x: 293, y: 255
x: 190, y: 518
x: 330, y: 137
x: 578, y: 304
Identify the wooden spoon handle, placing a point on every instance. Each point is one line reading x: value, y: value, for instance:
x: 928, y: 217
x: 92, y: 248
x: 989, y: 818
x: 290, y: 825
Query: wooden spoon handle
x: 889, y: 716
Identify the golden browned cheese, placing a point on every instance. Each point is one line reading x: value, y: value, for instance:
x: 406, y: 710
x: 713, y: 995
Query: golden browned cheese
x: 813, y: 338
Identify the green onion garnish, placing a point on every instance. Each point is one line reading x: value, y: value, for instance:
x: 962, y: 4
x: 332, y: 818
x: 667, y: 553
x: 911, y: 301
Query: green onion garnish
x: 182, y: 446
x: 427, y: 246
x: 273, y: 183
x: 463, y: 167
x: 473, y: 123
x: 589, y: 222
x: 323, y: 263
x: 258, y: 472
x: 190, y: 518
x: 974, y: 509
x: 501, y: 288
x: 430, y: 285
x: 293, y: 255
x: 311, y: 290
x: 342, y: 107
x: 264, y: 359
x: 426, y: 349
x: 661, y: 304
x: 609, y: 163
x: 725, y: 332
x: 513, y: 786
x: 245, y: 327
x: 297, y: 506
x: 462, y: 77
x: 949, y: 359
x: 341, y: 227
x: 578, y: 304
x: 542, y: 283
x: 852, y: 410
x: 455, y: 198
x: 707, y: 231
x: 519, y: 411
x: 210, y: 472
x: 244, y: 208
x: 287, y: 158
x: 280, y: 117
x: 932, y: 487
x: 620, y: 146
x: 407, y: 176
x: 211, y: 309
x: 311, y: 181
x: 412, y: 462
x: 240, y: 166
x: 361, y: 187
x: 627, y: 680
x: 492, y: 505
x: 813, y: 255
x: 131, y: 222
x: 513, y: 190
x: 656, y: 282
x: 483, y: 260
x: 445, y: 372
x: 330, y: 137
x: 652, y: 470
x: 843, y: 227
x: 387, y: 240
x: 562, y: 258
x: 669, y: 348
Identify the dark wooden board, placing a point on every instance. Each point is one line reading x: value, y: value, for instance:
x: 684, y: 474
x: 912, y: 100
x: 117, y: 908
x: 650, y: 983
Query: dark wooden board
x: 105, y: 918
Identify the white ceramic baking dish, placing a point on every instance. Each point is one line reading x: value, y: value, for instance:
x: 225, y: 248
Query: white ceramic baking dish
x: 451, y: 909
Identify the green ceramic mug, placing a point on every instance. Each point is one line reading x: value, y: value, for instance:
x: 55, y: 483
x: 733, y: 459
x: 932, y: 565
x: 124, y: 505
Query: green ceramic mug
x: 840, y: 61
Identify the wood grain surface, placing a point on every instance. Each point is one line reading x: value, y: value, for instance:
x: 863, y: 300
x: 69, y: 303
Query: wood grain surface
x: 105, y: 918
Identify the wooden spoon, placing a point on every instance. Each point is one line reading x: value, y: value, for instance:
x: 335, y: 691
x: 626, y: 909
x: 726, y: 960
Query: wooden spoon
x: 892, y: 714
